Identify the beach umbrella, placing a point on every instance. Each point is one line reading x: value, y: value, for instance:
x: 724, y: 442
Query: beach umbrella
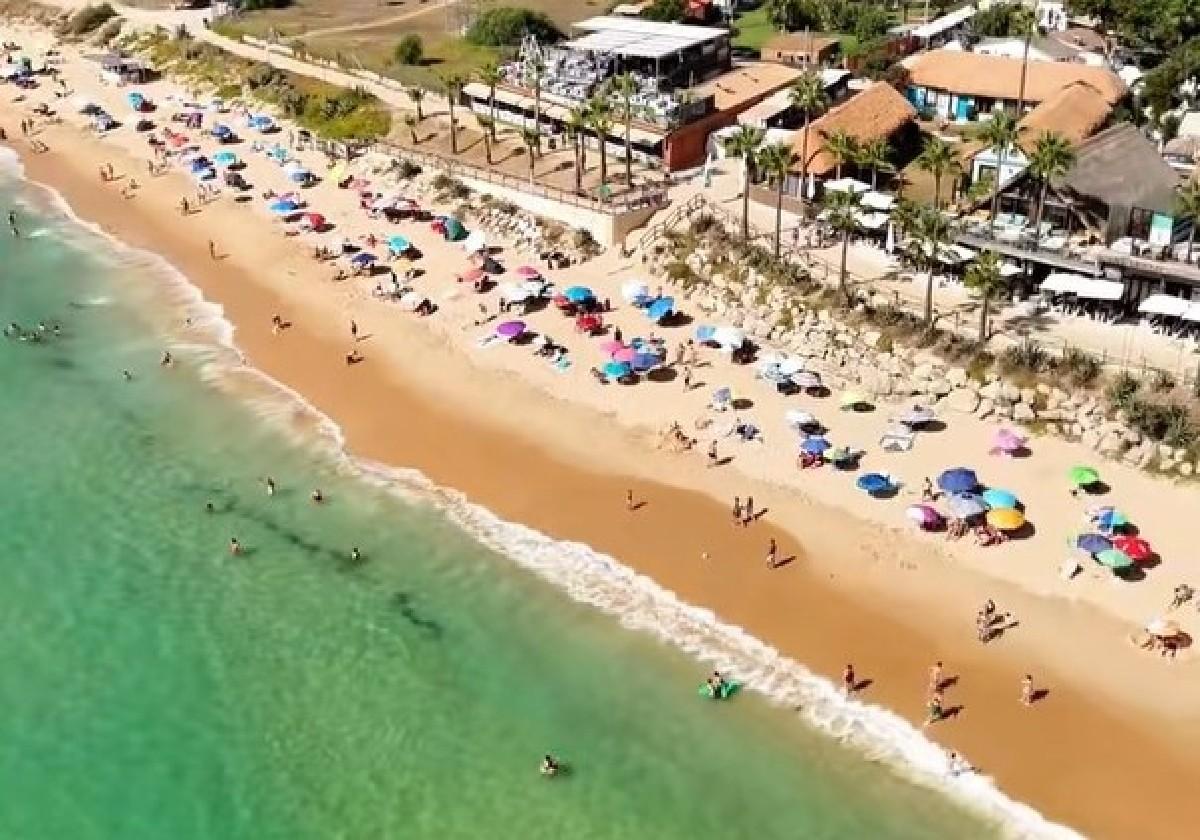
x: 314, y: 220
x: 616, y: 370
x: 806, y: 379
x: 362, y: 259
x: 624, y: 354
x: 220, y: 131
x: 1163, y: 628
x: 397, y: 244
x: 799, y: 419
x: 1006, y: 440
x: 793, y: 365
x: 1083, y: 476
x: 283, y: 207
x: 634, y: 291
x: 528, y: 272
x: 1092, y: 543
x: 261, y: 122
x: 578, y: 294
x: 815, y: 445
x: 411, y: 300
x: 704, y: 334
x: 646, y: 361
x: 510, y: 329
x: 853, y: 399
x: 730, y: 338
x: 1107, y: 518
x: 841, y: 455
x: 966, y: 505
x: 612, y: 346
x: 1006, y: 519
x: 473, y: 275
x: 338, y: 173
x: 198, y: 164
x: 660, y: 309
x: 1114, y: 558
x: 225, y: 158
x: 958, y: 480
x: 873, y: 482
x: 135, y: 100
x: 923, y: 515
x: 1136, y: 547
x: 299, y: 175
x: 917, y: 416
x: 1000, y: 498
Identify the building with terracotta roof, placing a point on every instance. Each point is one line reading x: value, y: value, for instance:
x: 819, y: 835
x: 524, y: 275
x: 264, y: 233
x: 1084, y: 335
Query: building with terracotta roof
x: 959, y: 86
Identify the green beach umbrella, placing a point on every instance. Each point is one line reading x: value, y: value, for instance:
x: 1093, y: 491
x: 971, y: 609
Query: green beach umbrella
x: 1083, y: 476
x: 1114, y: 558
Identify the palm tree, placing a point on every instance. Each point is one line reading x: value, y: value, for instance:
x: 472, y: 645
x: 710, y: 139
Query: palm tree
x: 534, y: 73
x: 490, y: 75
x: 1188, y: 203
x: 1052, y: 157
x: 843, y: 147
x: 1000, y: 133
x: 744, y: 144
x: 417, y: 95
x: 625, y: 86
x: 776, y: 162
x: 410, y: 122
x: 807, y: 96
x: 576, y: 125
x: 599, y: 117
x: 487, y: 127
x: 938, y: 159
x: 841, y: 208
x: 454, y: 85
x: 927, y: 232
x: 876, y: 155
x: 985, y: 277
x: 531, y: 138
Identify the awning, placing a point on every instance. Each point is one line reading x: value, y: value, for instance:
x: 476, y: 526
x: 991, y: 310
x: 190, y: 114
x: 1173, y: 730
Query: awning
x: 1100, y: 289
x: 847, y: 185
x: 878, y: 201
x: 1193, y: 313
x: 1164, y: 305
x: 1062, y: 283
x: 955, y: 254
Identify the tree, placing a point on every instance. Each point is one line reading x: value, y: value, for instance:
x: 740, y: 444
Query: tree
x: 996, y: 21
x: 791, y: 15
x: 986, y: 278
x: 744, y: 145
x: 410, y: 50
x: 842, y: 147
x: 534, y: 74
x: 454, y: 85
x: 808, y: 96
x: 531, y: 139
x: 1188, y: 203
x: 841, y: 209
x: 417, y: 96
x: 599, y: 116
x: 1000, y: 133
x: 926, y: 231
x: 490, y: 75
x: 576, y: 125
x: 938, y: 159
x: 1052, y: 157
x: 505, y: 26
x: 625, y: 87
x: 775, y: 161
x: 876, y: 156
x: 410, y: 122
x: 487, y: 127
x: 664, y: 11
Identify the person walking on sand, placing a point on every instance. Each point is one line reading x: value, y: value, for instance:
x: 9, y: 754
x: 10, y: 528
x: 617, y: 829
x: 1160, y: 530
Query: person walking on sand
x: 212, y: 250
x: 737, y: 510
x: 354, y: 330
x: 935, y: 712
x: 184, y: 207
x: 772, y: 554
x: 849, y: 681
x: 935, y: 677
x: 927, y: 494
x: 629, y: 505
x: 748, y: 511
x: 687, y: 378
x: 276, y: 324
x: 713, y: 459
x: 1027, y: 690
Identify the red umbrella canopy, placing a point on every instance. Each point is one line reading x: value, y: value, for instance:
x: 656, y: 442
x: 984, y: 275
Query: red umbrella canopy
x: 1136, y: 547
x: 473, y: 275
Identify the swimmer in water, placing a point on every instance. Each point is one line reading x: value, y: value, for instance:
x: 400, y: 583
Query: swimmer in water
x: 235, y: 547
x: 12, y: 223
x: 355, y: 554
x: 209, y: 508
x: 270, y: 482
x: 550, y: 765
x: 317, y: 496
x: 128, y: 376
x: 166, y: 359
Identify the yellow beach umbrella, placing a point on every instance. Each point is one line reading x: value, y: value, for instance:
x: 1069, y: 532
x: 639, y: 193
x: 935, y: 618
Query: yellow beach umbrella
x: 338, y: 173
x: 851, y: 399
x: 1006, y: 519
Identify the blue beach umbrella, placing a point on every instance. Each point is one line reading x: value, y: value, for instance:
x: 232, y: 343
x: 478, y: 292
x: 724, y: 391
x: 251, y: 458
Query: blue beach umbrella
x: 221, y: 131
x: 705, y: 333
x: 1000, y: 499
x: 299, y: 175
x: 362, y: 259
x: 283, y: 206
x: 199, y: 165
x: 958, y: 480
x: 873, y: 482
x: 398, y: 244
x: 135, y: 100
x: 646, y: 361
x: 1107, y: 518
x: 660, y: 309
x: 814, y: 445
x: 224, y: 158
x: 578, y: 294
x: 615, y: 370
x: 1093, y: 543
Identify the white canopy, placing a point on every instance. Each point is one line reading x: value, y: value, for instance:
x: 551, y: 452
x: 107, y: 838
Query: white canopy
x: 1008, y: 269
x: 730, y: 338
x: 848, y: 185
x: 1193, y: 313
x: 1100, y: 289
x: 1061, y: 282
x: 631, y: 290
x: 878, y: 201
x: 474, y: 242
x: 1164, y: 305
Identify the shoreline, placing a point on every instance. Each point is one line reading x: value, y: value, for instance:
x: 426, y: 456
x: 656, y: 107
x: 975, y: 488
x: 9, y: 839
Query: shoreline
x: 478, y: 455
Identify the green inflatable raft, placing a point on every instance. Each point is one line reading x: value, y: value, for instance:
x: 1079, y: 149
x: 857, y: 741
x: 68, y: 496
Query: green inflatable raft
x: 727, y: 690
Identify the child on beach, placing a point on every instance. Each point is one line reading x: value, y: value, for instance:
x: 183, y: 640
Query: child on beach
x: 935, y: 710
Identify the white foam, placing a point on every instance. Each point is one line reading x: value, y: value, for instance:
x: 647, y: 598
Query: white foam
x: 597, y: 579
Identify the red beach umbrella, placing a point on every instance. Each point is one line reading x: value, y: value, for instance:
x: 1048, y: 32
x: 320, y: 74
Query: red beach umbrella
x: 473, y: 275
x: 1136, y: 547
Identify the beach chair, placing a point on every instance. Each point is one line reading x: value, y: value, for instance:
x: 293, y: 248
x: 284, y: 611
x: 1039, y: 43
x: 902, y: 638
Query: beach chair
x: 897, y: 440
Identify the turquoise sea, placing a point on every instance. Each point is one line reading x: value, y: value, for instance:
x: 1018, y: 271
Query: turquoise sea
x: 153, y: 686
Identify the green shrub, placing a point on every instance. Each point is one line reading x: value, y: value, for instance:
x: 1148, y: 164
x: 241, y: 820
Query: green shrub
x: 1162, y: 381
x: 409, y: 51
x: 1028, y: 357
x: 665, y: 11
x: 1082, y: 369
x: 261, y: 75
x: 1122, y: 391
x: 505, y: 26
x: 88, y: 19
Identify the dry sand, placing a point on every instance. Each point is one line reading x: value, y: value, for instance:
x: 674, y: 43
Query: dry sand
x: 1117, y: 728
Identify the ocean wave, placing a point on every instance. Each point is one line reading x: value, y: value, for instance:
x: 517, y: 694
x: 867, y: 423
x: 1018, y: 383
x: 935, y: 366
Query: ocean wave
x: 584, y: 574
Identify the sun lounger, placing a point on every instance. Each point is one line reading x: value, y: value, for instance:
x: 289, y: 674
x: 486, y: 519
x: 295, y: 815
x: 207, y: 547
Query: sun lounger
x: 896, y: 440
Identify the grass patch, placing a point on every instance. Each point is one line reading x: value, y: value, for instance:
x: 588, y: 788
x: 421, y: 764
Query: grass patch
x: 753, y: 29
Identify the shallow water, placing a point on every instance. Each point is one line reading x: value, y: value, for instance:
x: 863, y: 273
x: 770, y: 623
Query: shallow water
x: 156, y: 686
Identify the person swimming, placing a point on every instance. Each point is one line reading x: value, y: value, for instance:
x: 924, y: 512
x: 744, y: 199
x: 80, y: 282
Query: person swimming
x: 550, y: 765
x: 716, y: 683
x: 317, y: 495
x: 355, y: 554
x: 209, y: 507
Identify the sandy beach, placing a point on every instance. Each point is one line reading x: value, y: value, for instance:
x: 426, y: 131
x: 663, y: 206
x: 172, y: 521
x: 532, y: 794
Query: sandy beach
x: 558, y: 452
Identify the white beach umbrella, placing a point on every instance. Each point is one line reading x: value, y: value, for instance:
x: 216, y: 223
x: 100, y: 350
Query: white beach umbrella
x: 474, y: 242
x: 631, y: 290
x: 729, y: 338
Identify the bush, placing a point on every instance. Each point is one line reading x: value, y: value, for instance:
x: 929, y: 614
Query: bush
x: 1028, y: 356
x: 1122, y: 391
x: 261, y: 75
x: 505, y: 26
x: 1081, y: 368
x: 409, y: 51
x: 89, y: 19
x: 665, y: 11
x: 110, y: 30
x: 407, y: 169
